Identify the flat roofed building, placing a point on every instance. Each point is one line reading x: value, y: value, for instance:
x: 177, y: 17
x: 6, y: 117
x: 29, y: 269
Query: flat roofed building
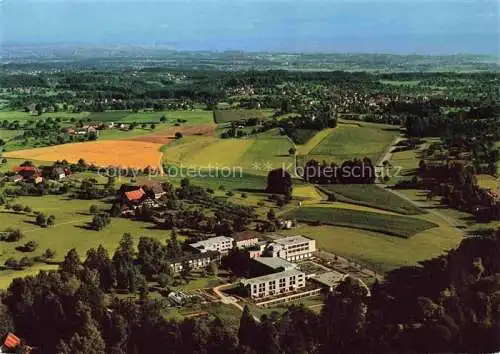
x: 330, y: 280
x: 295, y: 248
x: 275, y: 264
x: 245, y: 239
x: 275, y: 283
x: 195, y: 261
x: 220, y: 244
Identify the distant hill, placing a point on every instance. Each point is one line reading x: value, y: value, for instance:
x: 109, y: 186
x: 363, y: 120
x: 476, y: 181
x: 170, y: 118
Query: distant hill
x: 66, y: 56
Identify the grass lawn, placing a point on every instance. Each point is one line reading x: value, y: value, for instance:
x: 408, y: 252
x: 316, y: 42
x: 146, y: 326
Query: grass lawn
x: 378, y: 251
x: 23, y: 116
x: 197, y: 116
x: 238, y: 182
x: 198, y: 283
x: 69, y: 232
x: 487, y: 181
x: 400, y: 226
x: 8, y: 134
x: 314, y: 141
x: 266, y: 154
x: 108, y: 116
x: 351, y: 206
x: 117, y: 134
x: 225, y: 116
x: 372, y: 196
x: 348, y: 141
x: 228, y: 314
x: 308, y: 193
x: 252, y: 156
x: 6, y: 276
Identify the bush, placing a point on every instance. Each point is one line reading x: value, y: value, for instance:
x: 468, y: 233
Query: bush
x: 51, y: 220
x: 30, y: 246
x: 178, y: 135
x: 11, y: 263
x: 26, y: 262
x: 12, y: 235
x: 100, y: 221
x: 41, y: 220
x: 17, y: 208
x: 27, y: 209
x: 49, y: 254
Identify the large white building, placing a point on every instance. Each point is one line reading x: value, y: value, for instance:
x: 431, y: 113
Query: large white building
x: 293, y: 248
x: 195, y: 261
x: 220, y: 244
x: 275, y: 283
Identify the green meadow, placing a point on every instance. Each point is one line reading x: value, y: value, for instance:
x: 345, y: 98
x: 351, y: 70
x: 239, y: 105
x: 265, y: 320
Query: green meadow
x: 392, y: 225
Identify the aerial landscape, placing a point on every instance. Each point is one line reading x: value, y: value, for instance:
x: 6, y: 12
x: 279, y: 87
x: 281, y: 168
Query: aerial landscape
x: 290, y: 183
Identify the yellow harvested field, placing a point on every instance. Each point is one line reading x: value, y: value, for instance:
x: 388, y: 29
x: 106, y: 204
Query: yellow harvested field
x: 118, y: 153
x: 315, y: 140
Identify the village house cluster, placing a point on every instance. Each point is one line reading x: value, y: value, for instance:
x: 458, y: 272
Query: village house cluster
x: 32, y: 174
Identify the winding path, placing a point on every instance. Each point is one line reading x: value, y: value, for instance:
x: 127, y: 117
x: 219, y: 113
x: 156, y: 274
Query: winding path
x: 229, y: 300
x: 387, y: 157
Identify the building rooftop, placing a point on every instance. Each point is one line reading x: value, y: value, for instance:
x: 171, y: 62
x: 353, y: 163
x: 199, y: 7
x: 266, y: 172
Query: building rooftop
x: 270, y: 277
x: 193, y: 257
x: 246, y: 235
x: 135, y: 195
x: 210, y: 241
x: 275, y: 262
x: 292, y: 240
x: 329, y: 279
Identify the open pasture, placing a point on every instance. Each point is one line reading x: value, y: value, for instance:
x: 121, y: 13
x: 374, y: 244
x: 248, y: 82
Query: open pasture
x: 25, y: 116
x: 378, y: 251
x: 68, y: 232
x: 254, y: 156
x: 487, y: 181
x: 124, y: 153
x: 108, y: 116
x: 226, y: 116
x: 349, y: 141
x: 400, y: 226
x: 306, y: 148
x: 166, y: 136
x: 372, y: 196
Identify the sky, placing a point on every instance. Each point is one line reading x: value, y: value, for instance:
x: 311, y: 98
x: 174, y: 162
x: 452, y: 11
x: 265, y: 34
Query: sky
x: 368, y: 26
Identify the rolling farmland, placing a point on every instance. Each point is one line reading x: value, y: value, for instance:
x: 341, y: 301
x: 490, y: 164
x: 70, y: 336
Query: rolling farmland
x: 348, y: 141
x: 372, y: 196
x: 388, y: 224
x: 124, y: 153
